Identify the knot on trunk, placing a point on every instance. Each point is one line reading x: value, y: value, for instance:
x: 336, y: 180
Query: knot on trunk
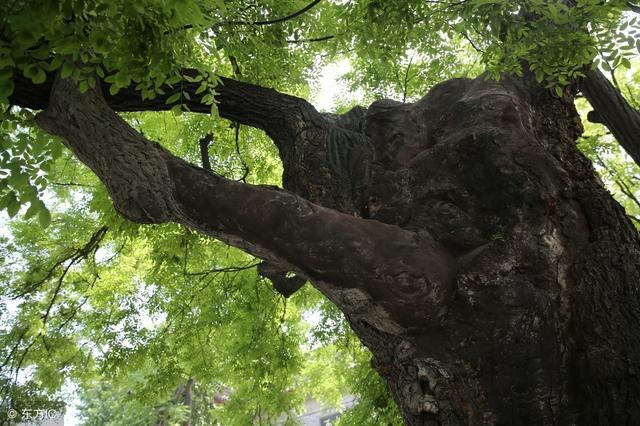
x: 427, y: 390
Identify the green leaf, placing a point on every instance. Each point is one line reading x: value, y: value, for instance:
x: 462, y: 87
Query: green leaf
x: 6, y: 61
x: 40, y: 77
x: 31, y: 211
x: 18, y: 181
x: 30, y: 71
x: 56, y: 63
x: 201, y: 88
x: 173, y: 98
x: 177, y: 109
x: 6, y: 88
x: 67, y: 70
x: 13, y: 207
x: 44, y: 217
x: 7, y: 199
x: 625, y: 63
x: 559, y: 91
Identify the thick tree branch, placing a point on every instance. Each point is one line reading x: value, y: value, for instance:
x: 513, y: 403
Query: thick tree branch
x: 241, y: 102
x: 150, y: 185
x: 613, y: 110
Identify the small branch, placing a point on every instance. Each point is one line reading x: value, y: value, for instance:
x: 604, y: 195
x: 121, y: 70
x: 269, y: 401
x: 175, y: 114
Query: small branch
x: 628, y: 192
x: 257, y: 23
x: 73, y: 257
x: 230, y: 269
x: 311, y: 40
x: 244, y: 165
x: 71, y: 184
x: 45, y: 317
x: 204, y: 151
x: 235, y: 66
x: 406, y: 80
x: 75, y: 310
x: 15, y: 348
x: 614, y: 80
x: 82, y: 253
x: 288, y: 17
x: 594, y: 117
x: 622, y: 185
x: 464, y: 34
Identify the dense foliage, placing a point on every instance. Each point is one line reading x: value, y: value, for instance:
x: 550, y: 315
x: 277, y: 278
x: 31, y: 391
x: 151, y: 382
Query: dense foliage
x: 125, y: 314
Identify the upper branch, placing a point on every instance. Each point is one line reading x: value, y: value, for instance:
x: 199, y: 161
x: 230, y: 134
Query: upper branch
x: 266, y: 22
x: 288, y: 17
x: 613, y: 111
x: 150, y: 185
x: 245, y: 103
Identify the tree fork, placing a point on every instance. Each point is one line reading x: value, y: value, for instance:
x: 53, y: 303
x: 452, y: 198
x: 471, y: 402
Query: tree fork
x: 150, y: 185
x: 496, y: 282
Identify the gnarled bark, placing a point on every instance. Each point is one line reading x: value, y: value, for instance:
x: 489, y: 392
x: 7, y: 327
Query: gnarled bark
x: 150, y: 185
x: 467, y: 241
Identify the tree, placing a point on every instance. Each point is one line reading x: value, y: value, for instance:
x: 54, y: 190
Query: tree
x: 468, y: 243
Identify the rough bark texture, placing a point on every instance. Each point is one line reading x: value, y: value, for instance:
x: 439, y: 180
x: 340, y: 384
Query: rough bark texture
x: 468, y: 243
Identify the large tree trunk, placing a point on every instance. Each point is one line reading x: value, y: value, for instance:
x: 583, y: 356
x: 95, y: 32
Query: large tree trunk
x: 467, y: 241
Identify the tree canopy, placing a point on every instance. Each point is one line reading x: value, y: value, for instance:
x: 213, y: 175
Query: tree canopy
x: 125, y: 313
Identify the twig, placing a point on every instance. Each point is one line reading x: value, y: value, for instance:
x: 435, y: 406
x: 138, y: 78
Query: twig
x: 406, y: 80
x: 311, y: 40
x: 257, y: 23
x: 216, y: 270
x: 71, y: 184
x: 74, y: 257
x: 288, y: 17
x: 464, y: 34
x: 244, y: 165
x: 91, y: 246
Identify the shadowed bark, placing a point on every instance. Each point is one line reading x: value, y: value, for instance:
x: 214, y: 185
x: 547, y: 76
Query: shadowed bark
x: 613, y: 110
x: 467, y: 241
